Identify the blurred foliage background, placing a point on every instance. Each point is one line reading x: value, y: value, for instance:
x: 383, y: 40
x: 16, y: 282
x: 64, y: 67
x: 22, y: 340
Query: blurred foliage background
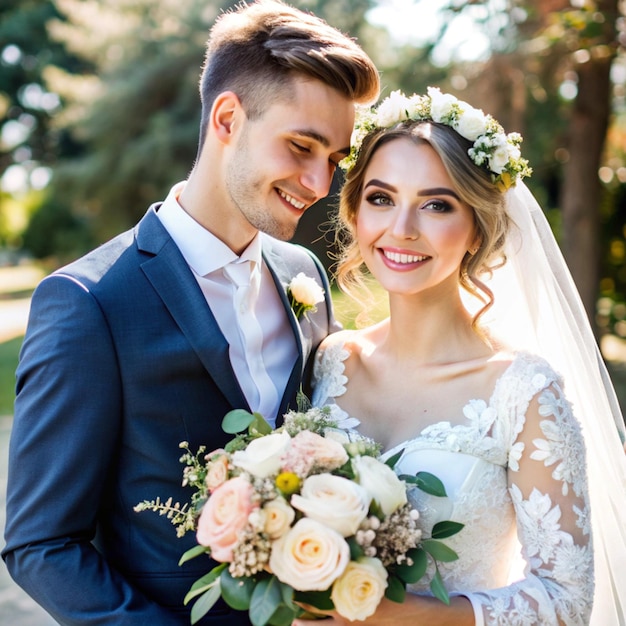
x: 99, y: 113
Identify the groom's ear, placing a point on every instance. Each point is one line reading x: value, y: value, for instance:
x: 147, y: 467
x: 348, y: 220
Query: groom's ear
x: 227, y: 117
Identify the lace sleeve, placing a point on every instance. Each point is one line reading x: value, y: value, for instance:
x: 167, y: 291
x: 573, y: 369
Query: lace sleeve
x: 329, y: 380
x: 548, y: 486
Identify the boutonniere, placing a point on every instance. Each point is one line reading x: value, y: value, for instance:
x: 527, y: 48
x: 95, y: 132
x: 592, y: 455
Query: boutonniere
x: 304, y: 293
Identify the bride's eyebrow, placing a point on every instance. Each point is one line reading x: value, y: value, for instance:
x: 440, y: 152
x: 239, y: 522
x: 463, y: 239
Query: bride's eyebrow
x: 438, y: 191
x: 379, y: 183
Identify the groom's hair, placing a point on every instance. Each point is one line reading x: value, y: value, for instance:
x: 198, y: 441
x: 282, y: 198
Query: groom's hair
x: 255, y: 50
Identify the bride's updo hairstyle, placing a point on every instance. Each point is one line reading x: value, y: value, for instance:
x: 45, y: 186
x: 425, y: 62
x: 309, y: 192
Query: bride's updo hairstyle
x: 472, y: 183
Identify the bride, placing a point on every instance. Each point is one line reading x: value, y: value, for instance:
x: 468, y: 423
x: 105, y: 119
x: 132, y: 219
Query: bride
x: 485, y: 373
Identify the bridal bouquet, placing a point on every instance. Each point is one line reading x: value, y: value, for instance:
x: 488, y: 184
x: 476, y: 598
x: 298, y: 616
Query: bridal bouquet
x: 303, y: 515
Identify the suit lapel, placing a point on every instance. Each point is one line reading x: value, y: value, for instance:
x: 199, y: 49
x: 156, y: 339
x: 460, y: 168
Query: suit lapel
x: 172, y: 279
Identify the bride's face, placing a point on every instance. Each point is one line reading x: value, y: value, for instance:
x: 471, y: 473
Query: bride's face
x: 412, y: 228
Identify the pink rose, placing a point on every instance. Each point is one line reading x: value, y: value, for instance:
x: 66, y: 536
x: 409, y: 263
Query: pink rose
x: 223, y: 516
x: 309, y: 450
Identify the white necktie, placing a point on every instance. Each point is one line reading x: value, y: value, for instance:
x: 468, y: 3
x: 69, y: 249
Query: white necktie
x: 245, y: 278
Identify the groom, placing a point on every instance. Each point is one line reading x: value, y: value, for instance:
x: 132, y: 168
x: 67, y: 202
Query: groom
x: 151, y: 339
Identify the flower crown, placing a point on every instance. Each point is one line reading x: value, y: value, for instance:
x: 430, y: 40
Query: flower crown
x: 493, y: 149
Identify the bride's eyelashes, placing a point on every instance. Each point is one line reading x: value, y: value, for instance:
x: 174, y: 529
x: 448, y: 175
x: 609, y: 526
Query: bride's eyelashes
x: 380, y: 198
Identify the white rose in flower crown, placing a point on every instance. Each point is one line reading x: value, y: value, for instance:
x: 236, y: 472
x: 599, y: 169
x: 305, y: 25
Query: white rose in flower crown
x: 392, y: 110
x: 381, y: 482
x: 337, y: 502
x: 440, y: 104
x: 499, y: 158
x: 262, y: 456
x: 278, y: 517
x: 358, y: 591
x: 310, y: 557
x: 472, y: 123
x: 305, y: 290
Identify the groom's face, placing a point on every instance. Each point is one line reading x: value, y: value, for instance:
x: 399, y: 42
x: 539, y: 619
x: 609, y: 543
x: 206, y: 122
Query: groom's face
x: 284, y: 161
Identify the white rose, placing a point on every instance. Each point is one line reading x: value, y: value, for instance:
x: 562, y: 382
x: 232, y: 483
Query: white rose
x: 392, y: 109
x: 305, y: 290
x: 310, y: 557
x: 499, y: 158
x: 358, y: 591
x: 278, y: 517
x: 381, y: 482
x: 262, y: 455
x: 472, y: 123
x: 337, y: 502
x: 440, y: 104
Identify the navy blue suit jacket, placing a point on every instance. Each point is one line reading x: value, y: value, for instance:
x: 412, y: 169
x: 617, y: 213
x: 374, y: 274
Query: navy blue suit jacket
x: 123, y: 360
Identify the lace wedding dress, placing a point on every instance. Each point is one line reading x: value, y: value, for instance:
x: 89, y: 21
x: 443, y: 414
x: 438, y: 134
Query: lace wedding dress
x: 520, y: 489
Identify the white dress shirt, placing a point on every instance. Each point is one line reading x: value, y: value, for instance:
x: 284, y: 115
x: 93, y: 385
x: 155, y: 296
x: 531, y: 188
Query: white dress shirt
x: 206, y: 256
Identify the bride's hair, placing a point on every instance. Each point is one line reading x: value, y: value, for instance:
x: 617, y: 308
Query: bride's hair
x: 472, y: 183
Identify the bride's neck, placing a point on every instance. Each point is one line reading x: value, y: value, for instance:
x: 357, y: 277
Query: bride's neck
x: 427, y: 331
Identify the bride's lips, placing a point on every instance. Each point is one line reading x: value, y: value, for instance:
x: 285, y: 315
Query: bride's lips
x: 402, y: 260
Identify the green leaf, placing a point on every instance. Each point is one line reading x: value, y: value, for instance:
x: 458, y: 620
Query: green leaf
x: 430, y: 484
x: 203, y: 584
x: 410, y: 574
x: 237, y: 592
x: 319, y: 599
x: 192, y: 553
x: 236, y: 421
x: 445, y: 529
x: 396, y: 591
x: 204, y: 603
x: 283, y: 616
x: 393, y: 459
x: 439, y: 551
x: 439, y: 589
x: 265, y: 600
x: 259, y: 425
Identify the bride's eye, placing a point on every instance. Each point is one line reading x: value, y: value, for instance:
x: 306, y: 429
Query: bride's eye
x: 438, y: 206
x: 379, y: 199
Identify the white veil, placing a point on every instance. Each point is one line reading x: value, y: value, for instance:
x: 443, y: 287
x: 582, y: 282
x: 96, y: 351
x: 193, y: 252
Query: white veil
x: 537, y: 308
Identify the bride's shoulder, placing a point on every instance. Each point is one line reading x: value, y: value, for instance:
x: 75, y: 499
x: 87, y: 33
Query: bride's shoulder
x: 345, y: 343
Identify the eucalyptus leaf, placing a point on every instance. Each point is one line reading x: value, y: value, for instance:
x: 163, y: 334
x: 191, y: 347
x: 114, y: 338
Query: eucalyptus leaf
x: 445, y: 529
x: 204, y: 583
x: 237, y: 592
x: 237, y: 421
x: 259, y: 425
x: 266, y: 598
x: 204, y: 603
x: 439, y: 551
x: 283, y: 616
x: 396, y: 590
x: 439, y: 589
x: 192, y: 553
x: 356, y: 550
x: 410, y: 574
x: 430, y: 484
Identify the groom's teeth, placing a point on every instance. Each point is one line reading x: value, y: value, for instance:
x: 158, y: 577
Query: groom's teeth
x: 292, y: 201
x: 397, y: 257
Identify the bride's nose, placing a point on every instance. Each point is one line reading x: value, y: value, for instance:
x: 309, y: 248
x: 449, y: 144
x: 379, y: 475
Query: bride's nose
x: 404, y: 225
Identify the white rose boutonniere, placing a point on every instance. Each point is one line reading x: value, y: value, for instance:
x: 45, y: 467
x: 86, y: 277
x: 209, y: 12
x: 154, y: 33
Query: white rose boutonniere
x: 304, y: 293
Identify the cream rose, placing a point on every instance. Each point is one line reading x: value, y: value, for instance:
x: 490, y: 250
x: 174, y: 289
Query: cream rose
x: 381, y: 483
x: 262, y: 455
x: 305, y: 290
x: 223, y: 516
x: 358, y: 591
x: 310, y: 557
x: 278, y: 517
x: 338, y: 502
x: 308, y: 450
